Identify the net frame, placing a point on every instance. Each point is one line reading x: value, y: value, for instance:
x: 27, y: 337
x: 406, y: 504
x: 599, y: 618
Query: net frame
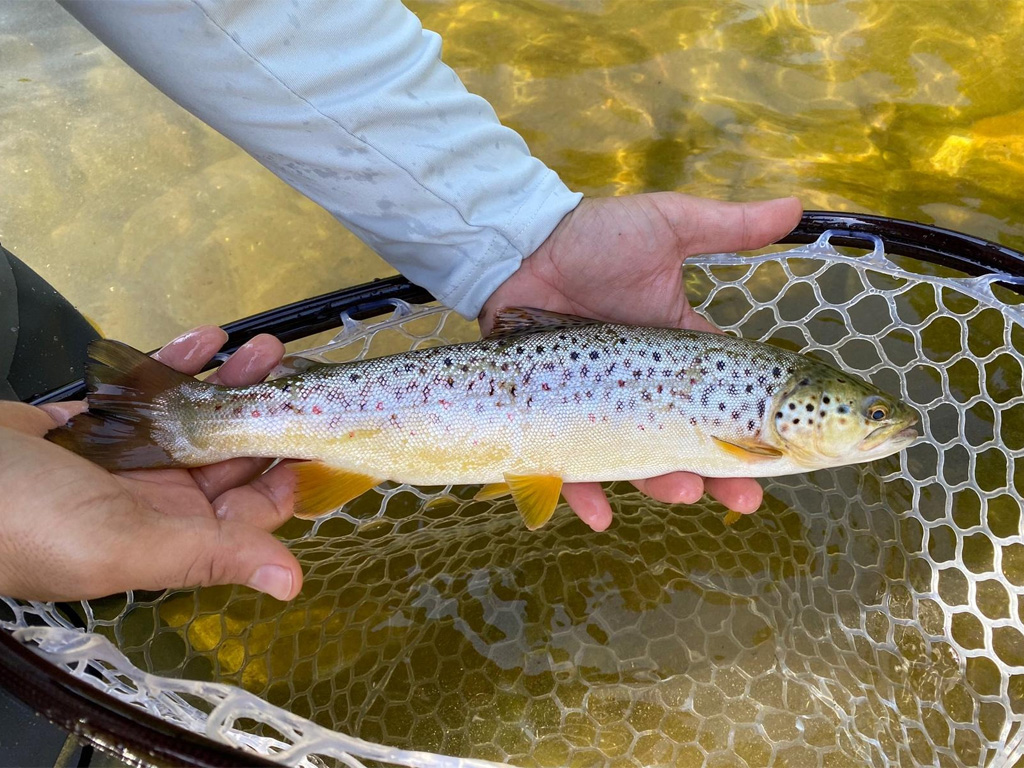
x: 65, y: 646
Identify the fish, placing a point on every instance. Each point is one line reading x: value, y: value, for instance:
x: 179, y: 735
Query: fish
x: 546, y: 399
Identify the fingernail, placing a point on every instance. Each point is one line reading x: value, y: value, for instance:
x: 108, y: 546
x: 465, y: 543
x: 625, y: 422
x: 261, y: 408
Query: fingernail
x: 272, y: 580
x: 190, y: 341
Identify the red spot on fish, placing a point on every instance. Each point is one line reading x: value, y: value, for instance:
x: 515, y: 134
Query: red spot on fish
x: 316, y: 410
x: 445, y: 404
x: 510, y: 417
x: 546, y: 387
x: 217, y: 407
x: 591, y: 417
x: 622, y: 383
x: 255, y: 414
x: 380, y: 406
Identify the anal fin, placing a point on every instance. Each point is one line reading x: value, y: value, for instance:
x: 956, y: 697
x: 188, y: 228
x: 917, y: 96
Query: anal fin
x: 319, y: 488
x: 536, y: 497
x: 731, y: 517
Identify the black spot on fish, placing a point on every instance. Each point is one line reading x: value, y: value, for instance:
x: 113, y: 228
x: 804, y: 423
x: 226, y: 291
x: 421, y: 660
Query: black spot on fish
x: 750, y: 426
x: 721, y: 406
x: 693, y: 421
x: 656, y: 356
x: 720, y: 365
x: 804, y: 382
x: 594, y: 355
x: 778, y: 415
x: 749, y: 388
x: 776, y: 372
x: 822, y: 414
x: 354, y: 377
x: 735, y: 414
x: 540, y: 349
x: 792, y: 406
x: 574, y: 355
x: 448, y: 362
x: 796, y: 421
x: 826, y: 399
x: 843, y: 409
x: 760, y: 409
x: 810, y: 421
x: 704, y: 397
x: 809, y: 406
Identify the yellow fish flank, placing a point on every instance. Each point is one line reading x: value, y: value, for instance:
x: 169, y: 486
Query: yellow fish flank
x: 547, y: 399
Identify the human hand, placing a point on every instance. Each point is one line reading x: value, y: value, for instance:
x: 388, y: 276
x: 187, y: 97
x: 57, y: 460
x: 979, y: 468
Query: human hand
x: 620, y: 259
x: 71, y: 530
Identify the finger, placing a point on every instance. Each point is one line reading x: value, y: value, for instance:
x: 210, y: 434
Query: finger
x: 589, y: 502
x: 62, y: 413
x: 203, y: 551
x: 740, y: 494
x: 192, y: 350
x: 218, y: 478
x: 673, y: 488
x: 267, y: 502
x: 712, y: 226
x: 251, y: 363
x: 25, y: 418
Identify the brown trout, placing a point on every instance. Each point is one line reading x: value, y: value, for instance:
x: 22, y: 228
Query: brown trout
x: 546, y: 399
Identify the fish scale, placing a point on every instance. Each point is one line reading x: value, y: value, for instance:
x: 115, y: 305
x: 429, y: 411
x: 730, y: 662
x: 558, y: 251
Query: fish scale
x: 551, y: 397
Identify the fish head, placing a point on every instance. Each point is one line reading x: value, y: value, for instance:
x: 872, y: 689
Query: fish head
x: 828, y: 418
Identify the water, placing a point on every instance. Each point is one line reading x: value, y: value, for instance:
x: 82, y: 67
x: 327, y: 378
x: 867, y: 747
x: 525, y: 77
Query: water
x: 822, y: 623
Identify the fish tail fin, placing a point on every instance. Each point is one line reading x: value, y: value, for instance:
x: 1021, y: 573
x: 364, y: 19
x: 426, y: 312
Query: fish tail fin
x: 127, y: 411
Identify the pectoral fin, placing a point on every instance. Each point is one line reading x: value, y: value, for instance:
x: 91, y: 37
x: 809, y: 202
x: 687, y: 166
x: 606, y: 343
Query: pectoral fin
x: 748, y: 450
x: 731, y: 517
x: 320, y: 488
x: 536, y: 496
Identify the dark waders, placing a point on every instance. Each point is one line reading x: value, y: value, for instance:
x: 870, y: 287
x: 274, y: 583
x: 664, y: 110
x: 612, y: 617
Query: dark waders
x: 42, y: 337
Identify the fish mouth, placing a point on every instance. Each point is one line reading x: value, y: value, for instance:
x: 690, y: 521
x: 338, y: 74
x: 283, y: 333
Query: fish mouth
x: 894, y: 436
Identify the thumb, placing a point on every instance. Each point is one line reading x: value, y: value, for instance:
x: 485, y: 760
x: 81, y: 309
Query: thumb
x: 712, y: 226
x: 203, y: 551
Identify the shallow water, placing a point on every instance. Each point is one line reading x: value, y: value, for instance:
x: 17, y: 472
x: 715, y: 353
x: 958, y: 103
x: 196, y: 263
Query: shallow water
x: 152, y: 223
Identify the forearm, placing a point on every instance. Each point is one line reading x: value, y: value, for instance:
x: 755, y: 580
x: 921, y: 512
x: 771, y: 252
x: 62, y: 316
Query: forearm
x: 349, y: 103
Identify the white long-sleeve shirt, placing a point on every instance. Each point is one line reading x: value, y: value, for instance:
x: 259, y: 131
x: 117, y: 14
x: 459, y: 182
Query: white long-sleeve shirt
x: 348, y: 102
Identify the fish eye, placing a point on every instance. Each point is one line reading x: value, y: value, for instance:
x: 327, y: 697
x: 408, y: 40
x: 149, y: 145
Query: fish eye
x: 877, y: 412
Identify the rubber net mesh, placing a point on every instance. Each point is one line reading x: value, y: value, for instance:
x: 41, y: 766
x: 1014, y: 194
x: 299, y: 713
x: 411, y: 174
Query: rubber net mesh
x: 866, y: 616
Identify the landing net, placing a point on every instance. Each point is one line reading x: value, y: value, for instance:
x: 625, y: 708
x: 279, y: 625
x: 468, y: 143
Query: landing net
x: 866, y: 616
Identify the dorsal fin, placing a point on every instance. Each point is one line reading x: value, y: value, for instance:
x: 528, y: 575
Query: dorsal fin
x: 511, y: 321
